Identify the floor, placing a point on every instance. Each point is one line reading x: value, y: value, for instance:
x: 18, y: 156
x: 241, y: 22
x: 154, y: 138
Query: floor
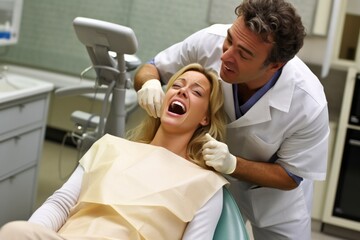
x: 58, y: 162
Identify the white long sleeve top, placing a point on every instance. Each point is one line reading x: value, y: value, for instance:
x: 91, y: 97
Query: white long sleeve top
x: 54, y: 212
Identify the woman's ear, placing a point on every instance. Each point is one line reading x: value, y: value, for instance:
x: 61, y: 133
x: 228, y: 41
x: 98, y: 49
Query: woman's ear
x: 205, y: 121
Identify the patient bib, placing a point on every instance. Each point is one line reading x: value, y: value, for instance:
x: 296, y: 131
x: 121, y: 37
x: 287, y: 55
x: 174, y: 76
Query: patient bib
x: 137, y: 191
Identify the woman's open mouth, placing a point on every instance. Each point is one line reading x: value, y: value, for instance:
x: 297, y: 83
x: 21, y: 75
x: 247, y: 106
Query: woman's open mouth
x: 177, y: 108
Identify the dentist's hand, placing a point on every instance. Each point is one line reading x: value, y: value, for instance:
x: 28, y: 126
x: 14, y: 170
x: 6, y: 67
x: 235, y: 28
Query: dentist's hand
x: 216, y: 154
x: 150, y: 97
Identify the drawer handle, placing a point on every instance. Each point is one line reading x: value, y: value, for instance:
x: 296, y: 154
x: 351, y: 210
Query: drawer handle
x: 17, y: 139
x: 354, y: 142
x: 21, y: 107
x: 12, y: 178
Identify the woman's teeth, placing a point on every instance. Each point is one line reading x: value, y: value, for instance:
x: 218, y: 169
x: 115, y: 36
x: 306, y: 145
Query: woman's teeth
x: 177, y: 107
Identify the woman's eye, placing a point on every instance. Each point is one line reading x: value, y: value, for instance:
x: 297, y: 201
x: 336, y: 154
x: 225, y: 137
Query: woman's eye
x: 176, y: 86
x: 197, y: 93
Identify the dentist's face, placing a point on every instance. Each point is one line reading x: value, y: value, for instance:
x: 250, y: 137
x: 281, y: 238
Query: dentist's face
x: 244, y: 54
x: 186, y: 103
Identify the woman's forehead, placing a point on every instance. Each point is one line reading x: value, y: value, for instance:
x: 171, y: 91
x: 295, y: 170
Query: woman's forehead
x: 193, y: 76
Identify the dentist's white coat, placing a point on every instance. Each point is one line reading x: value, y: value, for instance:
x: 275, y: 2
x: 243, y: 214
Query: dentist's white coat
x: 291, y: 120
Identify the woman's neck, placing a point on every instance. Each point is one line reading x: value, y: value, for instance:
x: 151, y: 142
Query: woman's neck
x: 174, y: 142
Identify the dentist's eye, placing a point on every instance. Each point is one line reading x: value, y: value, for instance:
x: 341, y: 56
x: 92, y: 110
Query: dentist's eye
x: 228, y: 40
x: 243, y: 55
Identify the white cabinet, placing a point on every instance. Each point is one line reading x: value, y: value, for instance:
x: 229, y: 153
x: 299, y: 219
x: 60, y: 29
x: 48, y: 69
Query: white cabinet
x: 17, y: 195
x: 22, y: 131
x: 343, y: 126
x: 347, y: 39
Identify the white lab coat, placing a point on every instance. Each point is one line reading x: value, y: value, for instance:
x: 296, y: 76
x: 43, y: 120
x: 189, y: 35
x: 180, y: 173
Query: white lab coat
x: 291, y: 119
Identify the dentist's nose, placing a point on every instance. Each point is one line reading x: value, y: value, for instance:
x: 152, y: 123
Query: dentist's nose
x: 227, y: 53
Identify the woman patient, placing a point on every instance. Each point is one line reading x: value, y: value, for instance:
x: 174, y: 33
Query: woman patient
x: 146, y: 188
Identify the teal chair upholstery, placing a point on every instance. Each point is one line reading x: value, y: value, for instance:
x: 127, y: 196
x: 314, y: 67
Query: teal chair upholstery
x: 231, y: 225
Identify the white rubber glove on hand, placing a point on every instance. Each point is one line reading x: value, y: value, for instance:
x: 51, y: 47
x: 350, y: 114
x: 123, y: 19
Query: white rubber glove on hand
x: 216, y: 154
x: 151, y: 96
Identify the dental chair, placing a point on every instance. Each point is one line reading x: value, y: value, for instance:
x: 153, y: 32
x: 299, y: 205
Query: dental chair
x: 102, y: 40
x: 231, y: 225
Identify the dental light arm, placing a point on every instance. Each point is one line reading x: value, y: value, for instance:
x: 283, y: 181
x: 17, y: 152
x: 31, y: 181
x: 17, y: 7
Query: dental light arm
x: 103, y: 40
x: 100, y: 37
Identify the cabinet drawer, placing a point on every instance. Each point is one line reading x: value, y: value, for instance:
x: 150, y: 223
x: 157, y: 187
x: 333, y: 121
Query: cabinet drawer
x: 17, y: 196
x: 19, y: 152
x: 21, y: 115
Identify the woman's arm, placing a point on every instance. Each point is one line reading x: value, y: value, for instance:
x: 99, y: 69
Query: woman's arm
x: 203, y: 226
x: 55, y: 210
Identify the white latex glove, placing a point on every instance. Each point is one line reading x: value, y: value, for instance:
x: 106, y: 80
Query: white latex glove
x: 216, y: 154
x: 151, y: 96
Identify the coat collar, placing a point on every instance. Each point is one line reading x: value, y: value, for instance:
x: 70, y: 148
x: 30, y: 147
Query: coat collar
x: 278, y: 97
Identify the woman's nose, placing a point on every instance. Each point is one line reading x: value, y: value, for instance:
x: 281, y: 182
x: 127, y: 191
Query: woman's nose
x: 183, y: 91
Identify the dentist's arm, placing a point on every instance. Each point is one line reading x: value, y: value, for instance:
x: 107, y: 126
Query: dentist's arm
x: 145, y: 72
x: 216, y: 154
x: 149, y: 91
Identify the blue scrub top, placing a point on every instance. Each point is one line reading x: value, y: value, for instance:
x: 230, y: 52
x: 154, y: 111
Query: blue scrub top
x: 241, y: 110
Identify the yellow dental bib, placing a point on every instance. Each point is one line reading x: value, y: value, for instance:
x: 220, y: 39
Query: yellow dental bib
x: 137, y: 191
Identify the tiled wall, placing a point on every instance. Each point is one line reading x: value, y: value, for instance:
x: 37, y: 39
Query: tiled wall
x: 48, y: 41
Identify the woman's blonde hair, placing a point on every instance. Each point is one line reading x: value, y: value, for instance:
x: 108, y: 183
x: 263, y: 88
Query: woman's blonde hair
x: 146, y: 131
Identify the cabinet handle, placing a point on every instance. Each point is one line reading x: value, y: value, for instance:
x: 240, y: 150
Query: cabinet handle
x: 11, y: 178
x: 354, y: 142
x: 16, y: 139
x: 21, y: 107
